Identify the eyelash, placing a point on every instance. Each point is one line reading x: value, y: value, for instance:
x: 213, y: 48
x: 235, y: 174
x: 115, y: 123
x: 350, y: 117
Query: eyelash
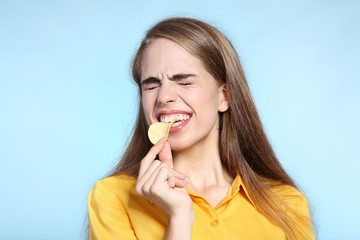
x: 149, y: 88
x: 185, y: 83
x: 152, y: 87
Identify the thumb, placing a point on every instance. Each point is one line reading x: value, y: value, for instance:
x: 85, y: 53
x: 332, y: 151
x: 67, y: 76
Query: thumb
x: 165, y: 155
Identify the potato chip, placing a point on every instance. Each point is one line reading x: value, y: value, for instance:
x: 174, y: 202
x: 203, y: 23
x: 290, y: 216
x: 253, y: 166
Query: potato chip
x: 159, y: 130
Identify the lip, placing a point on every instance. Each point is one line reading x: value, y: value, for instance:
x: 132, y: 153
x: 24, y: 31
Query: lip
x: 179, y: 127
x: 173, y: 112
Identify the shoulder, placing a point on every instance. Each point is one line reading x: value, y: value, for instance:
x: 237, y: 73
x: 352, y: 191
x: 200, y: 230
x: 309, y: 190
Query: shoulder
x: 292, y: 197
x: 296, y: 205
x: 287, y: 190
x: 117, y: 181
x: 108, y: 208
x: 113, y: 188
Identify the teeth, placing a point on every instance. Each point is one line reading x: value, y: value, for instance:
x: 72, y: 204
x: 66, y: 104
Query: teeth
x: 177, y: 124
x: 170, y: 118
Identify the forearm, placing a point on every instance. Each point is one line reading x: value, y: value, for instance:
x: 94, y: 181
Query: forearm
x: 180, y: 227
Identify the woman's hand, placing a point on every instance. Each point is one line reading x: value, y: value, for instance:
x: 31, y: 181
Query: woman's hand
x: 165, y: 187
x: 161, y: 184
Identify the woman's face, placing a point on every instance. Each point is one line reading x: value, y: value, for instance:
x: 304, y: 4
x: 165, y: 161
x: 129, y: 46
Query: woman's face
x: 176, y: 84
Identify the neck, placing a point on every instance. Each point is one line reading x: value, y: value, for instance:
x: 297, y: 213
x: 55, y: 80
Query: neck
x: 202, y: 164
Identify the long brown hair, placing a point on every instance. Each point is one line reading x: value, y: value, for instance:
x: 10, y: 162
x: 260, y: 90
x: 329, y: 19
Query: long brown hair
x: 244, y: 147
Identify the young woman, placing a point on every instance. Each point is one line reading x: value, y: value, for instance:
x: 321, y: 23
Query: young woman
x: 216, y: 176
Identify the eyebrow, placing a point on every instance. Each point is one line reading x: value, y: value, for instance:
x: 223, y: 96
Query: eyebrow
x: 150, y: 80
x: 181, y: 76
x: 175, y: 77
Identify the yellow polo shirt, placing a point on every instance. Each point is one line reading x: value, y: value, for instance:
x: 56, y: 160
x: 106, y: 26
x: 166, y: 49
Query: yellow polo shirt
x: 116, y: 211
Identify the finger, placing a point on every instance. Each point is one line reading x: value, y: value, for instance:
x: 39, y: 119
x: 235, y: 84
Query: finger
x: 165, y: 155
x: 180, y: 174
x: 150, y: 156
x: 158, y: 178
x: 180, y: 179
x: 171, y: 179
x: 164, y: 175
x: 175, y: 180
x: 180, y: 183
x: 142, y: 181
x: 149, y: 171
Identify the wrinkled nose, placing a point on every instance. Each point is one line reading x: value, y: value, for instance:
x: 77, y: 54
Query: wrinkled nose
x: 166, y: 94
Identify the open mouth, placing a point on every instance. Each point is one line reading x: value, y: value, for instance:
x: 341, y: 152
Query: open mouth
x: 178, y: 119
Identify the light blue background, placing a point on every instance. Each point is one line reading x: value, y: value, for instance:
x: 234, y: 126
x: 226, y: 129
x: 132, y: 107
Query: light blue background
x: 67, y: 101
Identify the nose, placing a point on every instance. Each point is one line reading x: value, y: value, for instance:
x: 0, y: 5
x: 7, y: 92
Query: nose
x: 167, y: 93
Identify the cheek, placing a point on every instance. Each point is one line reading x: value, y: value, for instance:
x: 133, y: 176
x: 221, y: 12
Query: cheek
x: 146, y: 106
x: 207, y: 100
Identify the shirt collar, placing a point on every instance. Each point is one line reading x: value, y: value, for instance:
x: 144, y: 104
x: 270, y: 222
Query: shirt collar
x: 237, y: 186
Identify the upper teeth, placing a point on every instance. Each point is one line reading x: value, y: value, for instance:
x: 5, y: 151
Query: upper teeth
x: 170, y: 118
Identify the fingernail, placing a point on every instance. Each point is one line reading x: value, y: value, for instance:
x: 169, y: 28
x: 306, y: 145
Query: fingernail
x: 186, y: 182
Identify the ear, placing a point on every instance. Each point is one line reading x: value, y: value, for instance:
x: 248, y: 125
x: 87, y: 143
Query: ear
x: 223, y: 99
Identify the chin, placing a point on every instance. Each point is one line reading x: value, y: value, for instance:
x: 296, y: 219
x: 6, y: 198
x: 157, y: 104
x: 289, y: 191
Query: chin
x: 179, y: 145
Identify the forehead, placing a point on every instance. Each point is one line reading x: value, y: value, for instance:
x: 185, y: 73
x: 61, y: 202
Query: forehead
x: 163, y: 56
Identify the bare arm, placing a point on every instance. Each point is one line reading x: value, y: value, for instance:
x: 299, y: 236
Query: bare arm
x: 180, y: 227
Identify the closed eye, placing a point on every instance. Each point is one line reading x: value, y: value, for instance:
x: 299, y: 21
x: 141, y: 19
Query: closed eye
x: 183, y: 79
x: 150, y: 83
x: 185, y: 83
x: 150, y: 87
